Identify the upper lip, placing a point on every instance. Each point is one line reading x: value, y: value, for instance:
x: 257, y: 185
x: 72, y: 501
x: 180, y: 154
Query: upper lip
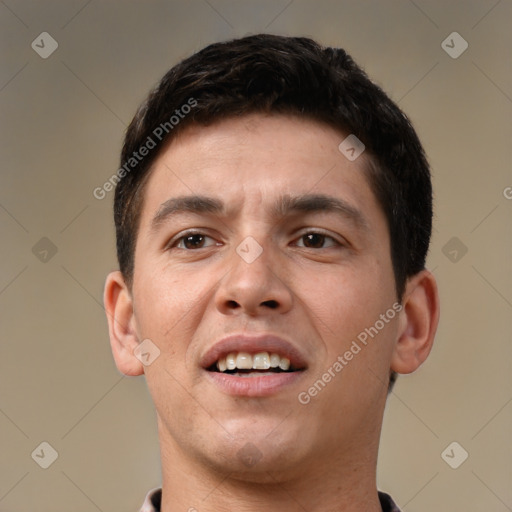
x: 253, y: 344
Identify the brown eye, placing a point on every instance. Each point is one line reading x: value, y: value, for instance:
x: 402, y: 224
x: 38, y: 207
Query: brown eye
x: 194, y: 241
x: 316, y: 241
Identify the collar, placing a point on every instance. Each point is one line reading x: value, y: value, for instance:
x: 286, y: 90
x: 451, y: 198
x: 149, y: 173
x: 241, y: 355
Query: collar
x: 154, y: 499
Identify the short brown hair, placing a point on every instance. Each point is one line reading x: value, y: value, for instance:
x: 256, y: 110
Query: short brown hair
x: 278, y: 74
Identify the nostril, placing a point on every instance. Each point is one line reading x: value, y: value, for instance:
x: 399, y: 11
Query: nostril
x: 233, y: 304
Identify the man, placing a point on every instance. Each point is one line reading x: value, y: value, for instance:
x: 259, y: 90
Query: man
x: 273, y: 214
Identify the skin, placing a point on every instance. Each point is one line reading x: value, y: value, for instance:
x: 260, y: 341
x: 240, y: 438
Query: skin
x: 318, y: 294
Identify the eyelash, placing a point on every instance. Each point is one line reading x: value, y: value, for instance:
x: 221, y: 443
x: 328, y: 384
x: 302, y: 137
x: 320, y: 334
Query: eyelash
x: 178, y: 240
x: 326, y: 236
x: 174, y: 243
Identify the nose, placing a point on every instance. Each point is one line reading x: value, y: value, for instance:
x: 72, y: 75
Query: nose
x: 255, y: 287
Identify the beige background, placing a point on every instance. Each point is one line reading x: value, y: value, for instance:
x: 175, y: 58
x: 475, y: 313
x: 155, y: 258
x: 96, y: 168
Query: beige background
x: 62, y: 121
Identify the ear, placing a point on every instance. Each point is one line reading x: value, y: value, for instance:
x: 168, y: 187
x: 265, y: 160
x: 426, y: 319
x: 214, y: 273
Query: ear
x: 417, y: 323
x: 121, y: 324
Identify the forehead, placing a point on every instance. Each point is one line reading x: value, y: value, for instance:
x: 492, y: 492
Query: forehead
x: 254, y: 159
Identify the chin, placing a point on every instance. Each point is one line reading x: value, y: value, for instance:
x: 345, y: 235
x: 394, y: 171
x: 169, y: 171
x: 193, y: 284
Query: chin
x: 258, y: 457
x: 251, y: 466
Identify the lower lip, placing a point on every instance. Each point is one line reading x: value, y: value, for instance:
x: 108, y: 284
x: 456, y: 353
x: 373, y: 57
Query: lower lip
x: 266, y: 385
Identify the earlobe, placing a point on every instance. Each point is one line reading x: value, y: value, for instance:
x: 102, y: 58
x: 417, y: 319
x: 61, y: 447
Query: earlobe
x: 417, y: 323
x: 121, y: 324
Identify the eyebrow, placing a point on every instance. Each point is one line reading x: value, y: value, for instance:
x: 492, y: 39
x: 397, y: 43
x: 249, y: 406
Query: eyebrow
x: 285, y: 206
x: 182, y: 204
x: 319, y: 203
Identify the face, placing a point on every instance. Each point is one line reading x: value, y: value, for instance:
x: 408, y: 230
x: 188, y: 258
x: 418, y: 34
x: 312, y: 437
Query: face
x: 261, y: 244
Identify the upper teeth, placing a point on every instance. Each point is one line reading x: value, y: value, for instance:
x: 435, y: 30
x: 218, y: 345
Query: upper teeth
x: 246, y: 361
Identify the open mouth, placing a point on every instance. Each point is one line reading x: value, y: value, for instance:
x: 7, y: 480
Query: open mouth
x: 244, y: 364
x: 253, y: 366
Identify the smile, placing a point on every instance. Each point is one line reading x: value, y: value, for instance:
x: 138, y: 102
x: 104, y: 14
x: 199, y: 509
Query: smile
x: 253, y: 366
x: 245, y: 363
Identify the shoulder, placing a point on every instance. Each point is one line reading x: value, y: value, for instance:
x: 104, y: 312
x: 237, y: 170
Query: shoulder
x: 152, y: 501
x: 387, y: 504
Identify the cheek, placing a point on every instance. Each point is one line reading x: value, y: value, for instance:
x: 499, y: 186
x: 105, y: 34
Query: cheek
x: 165, y: 303
x: 347, y: 307
x: 346, y: 298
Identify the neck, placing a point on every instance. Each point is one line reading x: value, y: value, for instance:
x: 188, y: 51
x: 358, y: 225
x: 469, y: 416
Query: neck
x: 345, y: 482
